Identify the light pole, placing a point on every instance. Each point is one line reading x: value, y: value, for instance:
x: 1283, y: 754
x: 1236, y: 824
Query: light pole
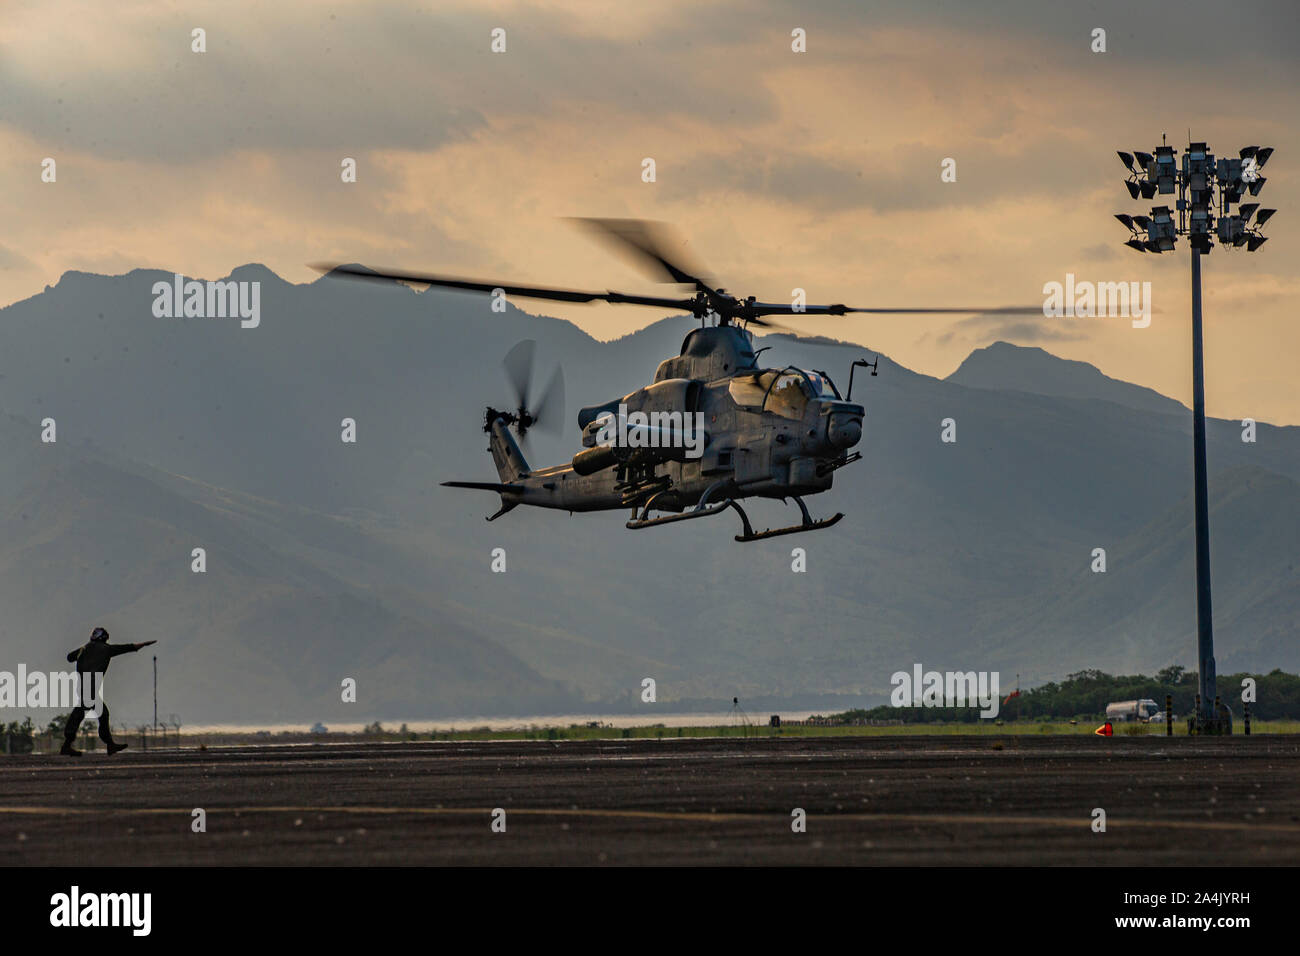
x: 1196, y: 184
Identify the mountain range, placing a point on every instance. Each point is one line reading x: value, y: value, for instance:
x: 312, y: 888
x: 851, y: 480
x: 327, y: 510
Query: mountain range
x: 327, y: 560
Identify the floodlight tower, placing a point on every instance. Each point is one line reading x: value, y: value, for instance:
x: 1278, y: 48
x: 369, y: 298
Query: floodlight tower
x: 1200, y: 182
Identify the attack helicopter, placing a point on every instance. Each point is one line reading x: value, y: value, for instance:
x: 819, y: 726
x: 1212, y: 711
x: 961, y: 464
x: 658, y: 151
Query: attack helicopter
x: 713, y: 428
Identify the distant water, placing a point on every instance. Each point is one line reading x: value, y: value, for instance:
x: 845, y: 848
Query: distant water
x: 719, y: 719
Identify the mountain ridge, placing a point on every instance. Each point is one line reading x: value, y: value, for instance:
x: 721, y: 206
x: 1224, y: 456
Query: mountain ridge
x: 329, y: 559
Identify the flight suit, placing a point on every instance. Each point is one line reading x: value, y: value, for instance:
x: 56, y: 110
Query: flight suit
x: 93, y: 658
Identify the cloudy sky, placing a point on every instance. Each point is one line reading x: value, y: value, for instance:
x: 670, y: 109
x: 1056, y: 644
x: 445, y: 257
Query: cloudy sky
x: 818, y: 170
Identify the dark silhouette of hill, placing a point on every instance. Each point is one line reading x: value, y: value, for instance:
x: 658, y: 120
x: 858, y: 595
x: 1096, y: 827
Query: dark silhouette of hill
x: 1008, y: 367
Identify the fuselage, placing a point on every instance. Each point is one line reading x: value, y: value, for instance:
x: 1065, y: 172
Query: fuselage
x: 767, y: 432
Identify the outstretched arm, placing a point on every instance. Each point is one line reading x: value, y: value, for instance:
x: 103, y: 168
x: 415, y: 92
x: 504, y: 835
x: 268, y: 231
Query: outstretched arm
x: 129, y: 648
x: 73, y: 655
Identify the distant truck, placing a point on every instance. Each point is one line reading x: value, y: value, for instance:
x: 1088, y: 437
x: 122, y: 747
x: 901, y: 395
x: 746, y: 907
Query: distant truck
x: 1140, y: 711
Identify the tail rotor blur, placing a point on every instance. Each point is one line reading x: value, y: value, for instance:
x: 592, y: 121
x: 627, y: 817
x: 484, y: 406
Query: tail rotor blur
x: 547, y: 412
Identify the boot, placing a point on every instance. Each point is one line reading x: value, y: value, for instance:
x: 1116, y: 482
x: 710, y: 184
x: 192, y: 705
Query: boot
x: 68, y: 750
x: 114, y: 748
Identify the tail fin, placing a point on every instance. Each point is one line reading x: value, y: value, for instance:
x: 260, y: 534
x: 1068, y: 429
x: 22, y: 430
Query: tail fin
x: 511, y: 466
x: 506, y: 455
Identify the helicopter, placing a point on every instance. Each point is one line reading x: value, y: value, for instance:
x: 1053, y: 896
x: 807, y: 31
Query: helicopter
x: 713, y: 428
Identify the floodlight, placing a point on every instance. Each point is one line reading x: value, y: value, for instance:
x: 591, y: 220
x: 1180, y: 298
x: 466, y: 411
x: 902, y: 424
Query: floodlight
x: 1198, y: 227
x: 1206, y: 190
x: 1161, y: 229
x: 1200, y: 219
x: 1254, y: 242
x: 1232, y: 229
x: 1166, y: 171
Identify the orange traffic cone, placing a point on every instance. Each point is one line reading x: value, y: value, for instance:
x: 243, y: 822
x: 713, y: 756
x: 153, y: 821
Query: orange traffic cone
x: 1105, y: 730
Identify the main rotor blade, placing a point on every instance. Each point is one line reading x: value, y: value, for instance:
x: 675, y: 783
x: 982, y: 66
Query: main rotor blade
x: 650, y: 245
x: 528, y: 292
x: 989, y: 310
x: 785, y: 308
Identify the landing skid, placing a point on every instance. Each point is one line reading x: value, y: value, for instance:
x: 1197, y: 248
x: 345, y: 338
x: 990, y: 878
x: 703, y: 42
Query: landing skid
x: 807, y: 525
x: 704, y: 510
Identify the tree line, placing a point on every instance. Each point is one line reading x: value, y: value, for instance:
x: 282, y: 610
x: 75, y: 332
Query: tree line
x: 1085, y: 695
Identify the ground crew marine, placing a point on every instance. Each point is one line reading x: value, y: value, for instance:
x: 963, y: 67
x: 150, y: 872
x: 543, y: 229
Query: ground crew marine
x: 93, y: 658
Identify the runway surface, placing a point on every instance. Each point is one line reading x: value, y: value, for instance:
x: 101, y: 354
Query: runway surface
x: 966, y: 801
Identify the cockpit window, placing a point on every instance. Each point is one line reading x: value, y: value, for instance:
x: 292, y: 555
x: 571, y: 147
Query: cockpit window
x: 783, y: 393
x: 747, y: 391
x: 789, y: 395
x: 821, y: 385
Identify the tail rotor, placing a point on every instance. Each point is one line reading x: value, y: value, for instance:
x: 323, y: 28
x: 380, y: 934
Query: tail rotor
x: 547, y: 413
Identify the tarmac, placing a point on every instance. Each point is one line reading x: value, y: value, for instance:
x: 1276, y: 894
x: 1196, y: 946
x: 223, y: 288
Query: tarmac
x: 875, y: 801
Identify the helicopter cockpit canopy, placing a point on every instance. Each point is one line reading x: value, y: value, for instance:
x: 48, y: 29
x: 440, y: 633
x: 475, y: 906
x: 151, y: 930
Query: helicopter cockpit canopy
x: 785, y: 392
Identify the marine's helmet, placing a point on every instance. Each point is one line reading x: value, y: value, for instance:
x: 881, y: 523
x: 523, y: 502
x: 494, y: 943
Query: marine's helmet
x: 99, y: 634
